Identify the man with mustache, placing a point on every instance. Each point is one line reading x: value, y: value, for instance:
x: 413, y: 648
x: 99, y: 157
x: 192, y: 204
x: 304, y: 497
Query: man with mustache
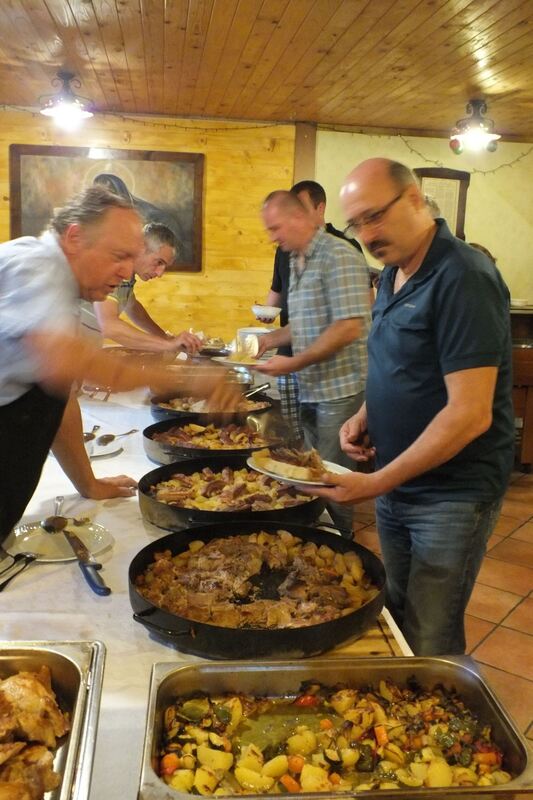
x: 438, y: 414
x: 328, y: 307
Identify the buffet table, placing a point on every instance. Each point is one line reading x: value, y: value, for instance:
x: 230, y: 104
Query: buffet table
x: 53, y: 602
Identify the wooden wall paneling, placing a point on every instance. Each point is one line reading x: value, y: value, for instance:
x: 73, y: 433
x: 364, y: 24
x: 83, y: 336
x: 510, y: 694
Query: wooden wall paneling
x: 222, y: 14
x: 110, y: 38
x: 240, y: 28
x: 130, y: 23
x: 288, y: 24
x: 195, y: 34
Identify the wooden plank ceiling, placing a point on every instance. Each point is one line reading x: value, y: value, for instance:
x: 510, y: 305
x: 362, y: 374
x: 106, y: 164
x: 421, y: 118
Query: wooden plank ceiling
x: 398, y: 65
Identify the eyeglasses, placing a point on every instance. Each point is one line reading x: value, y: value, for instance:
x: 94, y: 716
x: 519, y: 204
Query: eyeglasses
x: 373, y: 218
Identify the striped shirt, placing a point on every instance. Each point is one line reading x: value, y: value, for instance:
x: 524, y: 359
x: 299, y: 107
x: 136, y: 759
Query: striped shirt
x: 332, y: 286
x: 88, y: 322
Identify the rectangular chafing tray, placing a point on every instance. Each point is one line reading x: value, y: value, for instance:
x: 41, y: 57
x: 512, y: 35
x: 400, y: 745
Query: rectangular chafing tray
x: 278, y: 678
x: 77, y: 672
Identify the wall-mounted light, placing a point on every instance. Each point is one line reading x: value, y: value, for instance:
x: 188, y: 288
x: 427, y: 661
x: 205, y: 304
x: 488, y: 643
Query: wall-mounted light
x: 66, y: 108
x: 474, y: 132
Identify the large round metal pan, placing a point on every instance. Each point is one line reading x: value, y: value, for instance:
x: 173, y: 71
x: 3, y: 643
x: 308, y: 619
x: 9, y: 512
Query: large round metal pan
x: 165, y: 453
x: 174, y: 518
x: 213, y: 641
x: 160, y: 411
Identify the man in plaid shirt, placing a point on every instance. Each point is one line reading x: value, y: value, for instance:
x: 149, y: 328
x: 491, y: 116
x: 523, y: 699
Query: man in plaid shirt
x: 329, y: 316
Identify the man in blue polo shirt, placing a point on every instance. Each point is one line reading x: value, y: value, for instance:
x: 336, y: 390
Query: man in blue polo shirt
x: 438, y: 414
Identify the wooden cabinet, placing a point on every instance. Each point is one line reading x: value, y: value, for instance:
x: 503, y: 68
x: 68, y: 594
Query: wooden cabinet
x: 522, y: 330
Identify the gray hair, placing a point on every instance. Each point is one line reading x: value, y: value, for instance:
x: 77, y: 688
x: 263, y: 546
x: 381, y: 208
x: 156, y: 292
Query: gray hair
x: 87, y: 208
x: 285, y: 201
x: 433, y: 206
x: 156, y: 235
x: 402, y: 176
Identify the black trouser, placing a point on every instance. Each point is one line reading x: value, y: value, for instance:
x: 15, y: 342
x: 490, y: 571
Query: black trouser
x: 28, y: 426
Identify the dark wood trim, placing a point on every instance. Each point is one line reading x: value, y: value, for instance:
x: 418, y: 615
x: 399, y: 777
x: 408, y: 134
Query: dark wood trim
x: 451, y: 175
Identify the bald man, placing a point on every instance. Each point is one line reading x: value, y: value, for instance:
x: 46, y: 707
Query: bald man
x: 438, y: 414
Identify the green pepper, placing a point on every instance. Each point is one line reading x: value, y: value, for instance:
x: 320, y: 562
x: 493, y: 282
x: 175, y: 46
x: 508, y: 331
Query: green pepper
x: 367, y: 760
x: 465, y: 756
x: 223, y: 714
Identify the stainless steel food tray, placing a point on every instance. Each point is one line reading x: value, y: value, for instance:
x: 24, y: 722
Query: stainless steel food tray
x: 77, y: 672
x: 278, y: 678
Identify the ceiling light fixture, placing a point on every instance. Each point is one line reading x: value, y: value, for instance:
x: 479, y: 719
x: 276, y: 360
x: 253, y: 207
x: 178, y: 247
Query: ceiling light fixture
x: 66, y: 108
x: 474, y: 132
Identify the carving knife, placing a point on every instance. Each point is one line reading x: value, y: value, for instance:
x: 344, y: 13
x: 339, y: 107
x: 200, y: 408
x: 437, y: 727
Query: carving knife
x: 88, y: 567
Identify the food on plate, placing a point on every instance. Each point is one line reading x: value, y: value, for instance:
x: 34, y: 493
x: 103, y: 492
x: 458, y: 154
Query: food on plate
x: 259, y: 580
x: 228, y: 437
x: 191, y: 403
x: 214, y: 342
x: 327, y: 739
x: 227, y: 490
x: 31, y: 722
x: 288, y: 462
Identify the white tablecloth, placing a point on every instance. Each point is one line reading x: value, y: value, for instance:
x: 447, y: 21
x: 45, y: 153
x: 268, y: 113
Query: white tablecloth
x: 53, y: 602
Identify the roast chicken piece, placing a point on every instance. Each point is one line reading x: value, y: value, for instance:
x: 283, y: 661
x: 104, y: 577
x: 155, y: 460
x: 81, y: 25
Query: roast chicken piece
x: 33, y: 769
x: 14, y: 791
x: 33, y: 714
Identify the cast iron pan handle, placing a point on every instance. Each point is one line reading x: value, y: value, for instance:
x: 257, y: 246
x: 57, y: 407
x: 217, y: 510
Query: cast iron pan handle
x: 157, y: 628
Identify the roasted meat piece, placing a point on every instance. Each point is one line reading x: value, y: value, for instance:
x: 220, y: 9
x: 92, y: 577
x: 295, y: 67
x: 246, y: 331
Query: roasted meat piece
x: 32, y: 767
x: 14, y: 790
x: 34, y: 707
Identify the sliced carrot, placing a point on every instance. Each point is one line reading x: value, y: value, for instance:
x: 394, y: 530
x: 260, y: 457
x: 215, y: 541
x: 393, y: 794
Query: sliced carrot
x: 491, y: 758
x: 296, y: 763
x: 381, y: 734
x: 326, y: 724
x: 334, y: 778
x: 169, y: 763
x: 290, y: 783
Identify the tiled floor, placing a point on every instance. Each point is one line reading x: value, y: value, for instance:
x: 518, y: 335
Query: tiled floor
x: 499, y: 620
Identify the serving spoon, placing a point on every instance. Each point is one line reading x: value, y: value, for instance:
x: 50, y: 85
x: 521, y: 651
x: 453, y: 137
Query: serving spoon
x: 107, y: 438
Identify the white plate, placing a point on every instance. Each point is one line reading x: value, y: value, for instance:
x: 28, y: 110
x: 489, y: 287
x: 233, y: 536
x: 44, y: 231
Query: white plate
x: 104, y: 451
x: 250, y: 362
x: 337, y: 469
x: 32, y: 538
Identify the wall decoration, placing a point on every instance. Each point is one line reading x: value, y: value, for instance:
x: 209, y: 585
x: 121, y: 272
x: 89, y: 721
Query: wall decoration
x: 448, y: 188
x: 164, y: 187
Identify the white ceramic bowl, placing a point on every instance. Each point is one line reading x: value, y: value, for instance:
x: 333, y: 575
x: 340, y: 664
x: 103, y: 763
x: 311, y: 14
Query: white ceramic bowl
x: 267, y: 313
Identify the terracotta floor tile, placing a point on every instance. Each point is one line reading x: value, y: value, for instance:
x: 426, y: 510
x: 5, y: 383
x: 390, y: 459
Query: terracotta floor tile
x: 525, y: 479
x: 506, y: 525
x: 368, y: 506
x: 514, y: 551
x: 521, y: 492
x: 508, y: 650
x: 519, y: 509
x: 509, y: 577
x: 529, y: 731
x: 494, y: 540
x: 515, y: 694
x: 521, y: 618
x: 524, y: 533
x: 364, y: 518
x: 368, y: 537
x: 491, y: 604
x: 476, y: 630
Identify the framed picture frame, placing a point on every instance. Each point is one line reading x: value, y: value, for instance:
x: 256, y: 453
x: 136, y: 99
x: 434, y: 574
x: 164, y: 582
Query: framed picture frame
x: 448, y: 188
x: 164, y: 187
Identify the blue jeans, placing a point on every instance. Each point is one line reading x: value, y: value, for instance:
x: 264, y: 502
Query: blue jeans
x: 321, y: 423
x: 432, y: 556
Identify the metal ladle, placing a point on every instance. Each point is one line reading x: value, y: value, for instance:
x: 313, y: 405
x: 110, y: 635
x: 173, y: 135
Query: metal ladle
x: 107, y: 438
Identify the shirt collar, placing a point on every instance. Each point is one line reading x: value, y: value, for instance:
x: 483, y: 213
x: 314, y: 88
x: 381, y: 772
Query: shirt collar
x: 51, y: 239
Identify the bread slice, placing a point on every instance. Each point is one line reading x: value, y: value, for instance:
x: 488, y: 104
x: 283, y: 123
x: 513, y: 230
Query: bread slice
x: 266, y: 459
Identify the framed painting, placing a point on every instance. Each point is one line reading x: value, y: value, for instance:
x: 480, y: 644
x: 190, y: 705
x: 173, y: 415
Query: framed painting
x: 164, y: 187
x: 448, y: 188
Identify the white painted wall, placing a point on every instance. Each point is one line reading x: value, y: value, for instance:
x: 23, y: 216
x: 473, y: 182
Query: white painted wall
x: 499, y: 210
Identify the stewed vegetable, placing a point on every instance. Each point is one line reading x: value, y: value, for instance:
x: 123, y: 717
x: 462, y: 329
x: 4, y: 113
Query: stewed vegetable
x: 327, y: 739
